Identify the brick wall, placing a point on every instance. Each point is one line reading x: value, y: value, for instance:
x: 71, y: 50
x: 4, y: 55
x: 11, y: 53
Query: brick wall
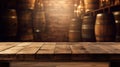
x: 58, y: 16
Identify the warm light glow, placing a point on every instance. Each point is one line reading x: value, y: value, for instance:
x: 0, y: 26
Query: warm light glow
x: 41, y: 4
x: 75, y: 11
x: 79, y: 6
x: 75, y: 5
x: 103, y: 0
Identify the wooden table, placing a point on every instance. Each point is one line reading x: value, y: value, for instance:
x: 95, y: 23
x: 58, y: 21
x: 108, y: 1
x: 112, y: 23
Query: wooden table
x: 60, y: 52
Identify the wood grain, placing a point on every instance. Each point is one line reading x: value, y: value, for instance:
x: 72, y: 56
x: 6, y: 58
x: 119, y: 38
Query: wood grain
x: 59, y: 51
x: 77, y: 49
x: 47, y: 49
x: 4, y: 46
x: 59, y: 64
x: 62, y: 48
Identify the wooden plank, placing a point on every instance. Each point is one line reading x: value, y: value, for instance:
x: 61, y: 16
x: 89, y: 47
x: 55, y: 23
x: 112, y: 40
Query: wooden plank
x: 28, y: 53
x: 12, y: 50
x: 85, y: 65
x: 31, y: 49
x: 4, y: 46
x: 50, y: 43
x: 23, y: 44
x: 62, y: 48
x: 36, y: 44
x: 62, y: 52
x: 60, y: 64
x: 87, y: 52
x: 77, y: 49
x: 94, y: 49
x: 46, y: 52
x: 10, y: 53
x: 47, y: 49
x: 116, y: 46
x: 103, y: 43
x: 79, y: 52
x: 114, y: 49
x: 15, y: 49
x: 6, y: 43
x: 109, y: 49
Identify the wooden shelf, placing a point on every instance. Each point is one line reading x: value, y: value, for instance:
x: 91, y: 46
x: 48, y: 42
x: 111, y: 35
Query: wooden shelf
x: 107, y: 9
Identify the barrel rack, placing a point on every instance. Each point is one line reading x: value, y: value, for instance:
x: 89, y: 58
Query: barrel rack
x: 107, y: 9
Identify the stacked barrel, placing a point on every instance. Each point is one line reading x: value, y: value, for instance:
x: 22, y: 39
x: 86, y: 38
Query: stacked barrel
x: 99, y: 26
x: 8, y: 20
x: 88, y: 29
x: 74, y: 31
x: 117, y: 21
x: 104, y: 3
x: 91, y: 5
x: 24, y: 13
x: 48, y: 20
x: 105, y: 28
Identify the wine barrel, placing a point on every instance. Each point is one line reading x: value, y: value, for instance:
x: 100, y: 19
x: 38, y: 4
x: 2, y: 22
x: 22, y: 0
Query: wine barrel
x: 75, y: 31
x: 105, y: 28
x: 25, y: 31
x: 88, y: 24
x: 117, y: 21
x: 8, y: 25
x: 25, y: 4
x: 91, y: 5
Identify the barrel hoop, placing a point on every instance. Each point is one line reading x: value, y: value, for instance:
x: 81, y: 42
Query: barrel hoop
x: 87, y: 36
x: 103, y: 24
x: 87, y: 26
x: 13, y: 17
x: 74, y: 31
x: 73, y: 25
x: 104, y: 36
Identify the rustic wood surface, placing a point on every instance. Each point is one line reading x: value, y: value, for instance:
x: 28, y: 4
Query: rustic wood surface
x: 57, y: 51
x: 59, y: 64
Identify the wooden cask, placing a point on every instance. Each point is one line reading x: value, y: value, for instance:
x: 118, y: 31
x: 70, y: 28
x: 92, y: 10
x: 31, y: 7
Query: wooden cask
x: 117, y: 21
x: 88, y: 34
x: 8, y: 25
x: 91, y: 5
x: 25, y: 30
x: 25, y: 4
x: 105, y: 28
x: 117, y: 2
x: 75, y: 31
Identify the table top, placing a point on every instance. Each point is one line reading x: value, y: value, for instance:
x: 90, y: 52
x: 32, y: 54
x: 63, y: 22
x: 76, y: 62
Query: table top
x: 59, y: 51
